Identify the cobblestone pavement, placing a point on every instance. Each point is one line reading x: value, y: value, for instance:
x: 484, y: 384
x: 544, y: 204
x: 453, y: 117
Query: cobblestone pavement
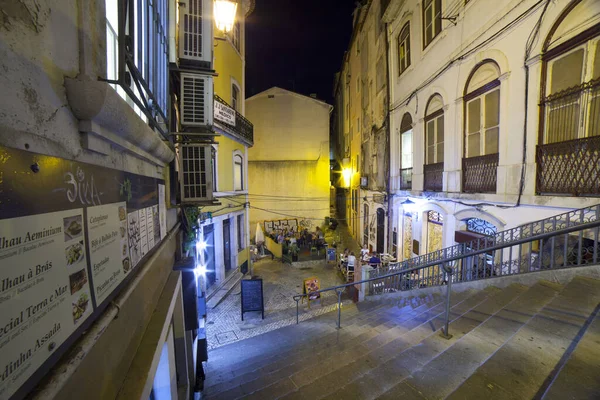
x: 280, y: 283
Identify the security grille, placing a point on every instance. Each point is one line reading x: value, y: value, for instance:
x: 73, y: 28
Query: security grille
x: 196, y: 100
x: 195, y: 30
x: 195, y: 173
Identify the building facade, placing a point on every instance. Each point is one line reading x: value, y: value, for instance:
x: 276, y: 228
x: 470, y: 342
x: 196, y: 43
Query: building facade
x: 289, y: 162
x: 361, y: 121
x: 110, y: 130
x: 494, y: 115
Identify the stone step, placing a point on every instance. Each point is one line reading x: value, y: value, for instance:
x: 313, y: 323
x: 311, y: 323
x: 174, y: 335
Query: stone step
x: 521, y: 367
x: 579, y: 378
x: 328, y: 375
x: 442, y: 375
x: 413, y: 358
x: 300, y: 358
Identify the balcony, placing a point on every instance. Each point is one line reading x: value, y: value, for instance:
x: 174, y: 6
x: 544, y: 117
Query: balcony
x: 236, y: 126
x: 406, y: 178
x: 434, y: 174
x: 480, y: 174
x: 569, y: 168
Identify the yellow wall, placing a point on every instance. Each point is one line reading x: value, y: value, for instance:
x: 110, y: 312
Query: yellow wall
x: 229, y: 64
x: 226, y: 147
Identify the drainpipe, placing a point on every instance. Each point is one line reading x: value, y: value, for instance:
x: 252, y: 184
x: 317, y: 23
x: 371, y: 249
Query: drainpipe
x: 387, y: 138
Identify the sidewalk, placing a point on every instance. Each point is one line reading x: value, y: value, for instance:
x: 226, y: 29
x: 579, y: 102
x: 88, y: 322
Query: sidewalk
x: 280, y: 283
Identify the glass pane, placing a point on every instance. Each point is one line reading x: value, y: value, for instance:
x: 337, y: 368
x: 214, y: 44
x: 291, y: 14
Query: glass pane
x: 407, y: 149
x: 430, y: 132
x: 562, y: 123
x: 597, y: 61
x: 440, y: 152
x: 491, y: 141
x: 440, y: 128
x: 473, y: 145
x: 492, y: 109
x: 438, y: 17
x: 474, y: 116
x: 428, y: 17
x: 567, y: 71
x: 430, y: 155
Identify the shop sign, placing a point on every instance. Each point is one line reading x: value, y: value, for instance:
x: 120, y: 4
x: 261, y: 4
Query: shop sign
x: 224, y: 113
x: 70, y: 235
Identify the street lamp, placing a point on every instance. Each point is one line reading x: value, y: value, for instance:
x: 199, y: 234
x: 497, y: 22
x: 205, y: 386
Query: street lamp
x: 225, y: 11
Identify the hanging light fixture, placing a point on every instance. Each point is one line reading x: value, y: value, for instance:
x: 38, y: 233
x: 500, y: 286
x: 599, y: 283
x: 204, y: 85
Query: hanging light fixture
x: 225, y: 11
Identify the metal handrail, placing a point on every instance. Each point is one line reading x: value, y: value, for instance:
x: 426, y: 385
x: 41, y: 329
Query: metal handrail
x: 404, y: 268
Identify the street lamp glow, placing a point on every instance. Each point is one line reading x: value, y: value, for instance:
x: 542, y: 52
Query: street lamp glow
x: 200, y: 246
x: 225, y: 11
x: 200, y: 270
x: 347, y: 174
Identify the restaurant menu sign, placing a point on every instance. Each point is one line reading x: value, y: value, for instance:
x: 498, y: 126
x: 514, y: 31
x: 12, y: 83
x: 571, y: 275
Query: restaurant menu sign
x: 70, y: 234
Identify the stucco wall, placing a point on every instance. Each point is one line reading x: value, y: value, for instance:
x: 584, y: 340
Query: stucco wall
x: 290, y: 180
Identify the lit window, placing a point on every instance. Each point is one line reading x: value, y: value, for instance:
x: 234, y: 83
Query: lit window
x: 432, y: 20
x: 404, y: 49
x: 434, y: 131
x: 483, y: 111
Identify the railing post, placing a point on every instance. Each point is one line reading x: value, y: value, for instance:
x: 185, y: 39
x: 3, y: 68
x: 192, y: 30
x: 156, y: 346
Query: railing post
x: 339, y: 324
x: 297, y: 309
x: 445, y: 334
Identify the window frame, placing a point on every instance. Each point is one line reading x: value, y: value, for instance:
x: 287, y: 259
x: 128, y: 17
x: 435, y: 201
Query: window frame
x: 480, y: 93
x: 400, y: 42
x: 238, y: 156
x: 434, y: 13
x: 434, y: 116
x: 235, y: 99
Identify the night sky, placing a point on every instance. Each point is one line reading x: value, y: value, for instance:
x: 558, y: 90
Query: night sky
x: 297, y: 45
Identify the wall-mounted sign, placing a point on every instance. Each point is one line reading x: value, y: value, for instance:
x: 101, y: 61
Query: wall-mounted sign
x: 70, y: 234
x: 224, y: 113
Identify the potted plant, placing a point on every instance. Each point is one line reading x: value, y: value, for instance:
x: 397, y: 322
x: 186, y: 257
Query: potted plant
x: 294, y: 250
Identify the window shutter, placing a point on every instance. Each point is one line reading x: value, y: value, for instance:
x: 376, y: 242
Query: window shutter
x: 196, y: 100
x: 195, y: 172
x: 195, y: 30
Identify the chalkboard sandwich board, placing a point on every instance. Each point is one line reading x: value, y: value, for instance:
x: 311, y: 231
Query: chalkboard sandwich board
x: 252, y: 296
x: 331, y: 254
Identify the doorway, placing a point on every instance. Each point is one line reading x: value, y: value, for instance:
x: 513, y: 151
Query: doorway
x: 209, y: 255
x: 227, y: 245
x: 380, y: 230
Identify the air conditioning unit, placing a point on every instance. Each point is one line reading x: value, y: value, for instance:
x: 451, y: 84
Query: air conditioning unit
x: 196, y: 30
x: 195, y: 172
x: 196, y: 100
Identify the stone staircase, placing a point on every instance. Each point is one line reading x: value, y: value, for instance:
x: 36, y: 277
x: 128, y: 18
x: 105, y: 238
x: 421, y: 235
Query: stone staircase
x: 518, y: 342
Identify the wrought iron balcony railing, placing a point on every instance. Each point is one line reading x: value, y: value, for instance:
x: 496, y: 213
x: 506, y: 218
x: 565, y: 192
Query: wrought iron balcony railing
x: 406, y: 178
x: 434, y: 177
x: 242, y: 129
x: 480, y: 174
x: 571, y: 167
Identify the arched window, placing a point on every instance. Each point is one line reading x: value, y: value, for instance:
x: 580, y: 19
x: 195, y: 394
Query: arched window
x: 482, y: 110
x: 434, y: 130
x: 406, y: 164
x: 569, y: 129
x: 238, y: 172
x: 571, y: 98
x: 404, y: 48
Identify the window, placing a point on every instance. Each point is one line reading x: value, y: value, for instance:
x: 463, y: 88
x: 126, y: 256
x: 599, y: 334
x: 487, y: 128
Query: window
x: 404, y: 49
x: 572, y: 104
x: 482, y: 111
x: 434, y: 130
x: 366, y: 224
x: 235, y: 95
x: 148, y: 61
x: 432, y: 20
x: 235, y: 35
x: 238, y: 172
x: 240, y: 232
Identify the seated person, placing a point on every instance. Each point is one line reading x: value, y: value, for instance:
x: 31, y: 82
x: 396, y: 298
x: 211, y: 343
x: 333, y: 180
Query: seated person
x: 374, y: 260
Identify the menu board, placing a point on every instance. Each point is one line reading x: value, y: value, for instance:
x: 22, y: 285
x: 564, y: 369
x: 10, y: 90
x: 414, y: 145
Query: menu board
x: 45, y: 290
x: 70, y: 236
x: 109, y: 247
